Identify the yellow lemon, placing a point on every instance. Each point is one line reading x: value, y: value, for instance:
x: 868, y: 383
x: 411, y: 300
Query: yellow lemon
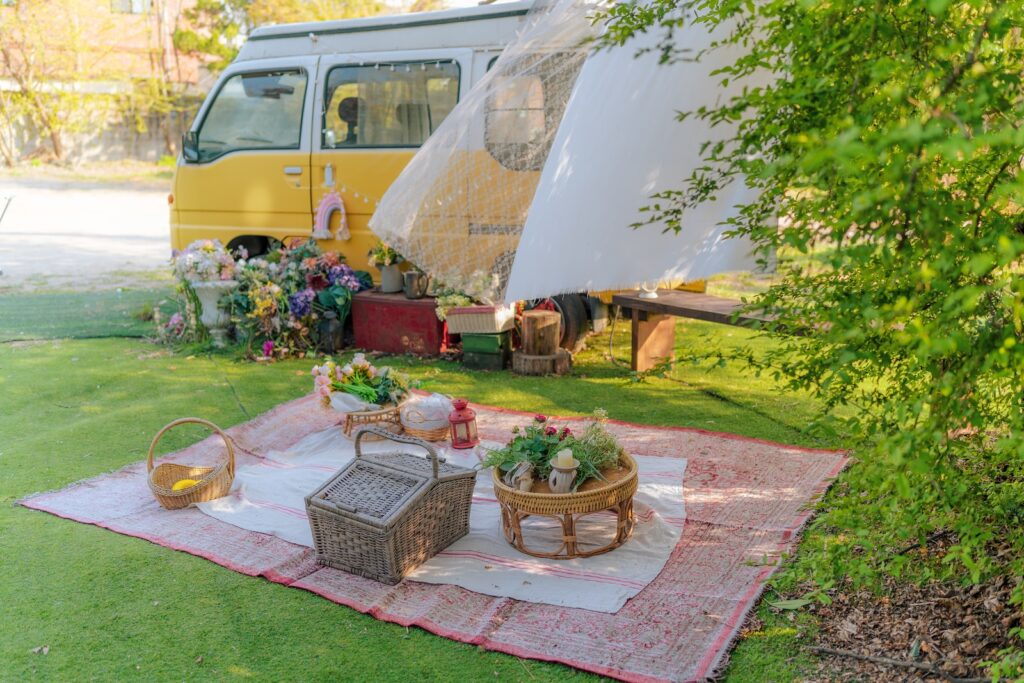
x: 183, y: 484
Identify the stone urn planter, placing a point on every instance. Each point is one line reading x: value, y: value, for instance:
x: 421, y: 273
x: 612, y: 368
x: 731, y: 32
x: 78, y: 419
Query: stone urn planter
x: 391, y: 280
x: 212, y: 316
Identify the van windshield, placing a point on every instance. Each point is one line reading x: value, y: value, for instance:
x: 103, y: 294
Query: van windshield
x: 387, y: 105
x: 254, y: 111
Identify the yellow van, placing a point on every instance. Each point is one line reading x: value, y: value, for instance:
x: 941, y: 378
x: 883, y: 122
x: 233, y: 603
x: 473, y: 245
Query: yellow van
x: 307, y: 128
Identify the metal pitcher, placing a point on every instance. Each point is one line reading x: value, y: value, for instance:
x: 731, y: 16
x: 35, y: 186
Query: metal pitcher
x: 415, y: 284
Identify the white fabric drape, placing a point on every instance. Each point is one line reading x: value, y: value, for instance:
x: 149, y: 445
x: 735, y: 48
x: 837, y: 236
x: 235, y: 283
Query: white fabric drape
x: 620, y: 142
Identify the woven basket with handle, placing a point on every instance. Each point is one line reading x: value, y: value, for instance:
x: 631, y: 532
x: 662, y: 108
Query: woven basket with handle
x: 385, y: 418
x: 384, y: 514
x: 414, y: 423
x: 211, y: 482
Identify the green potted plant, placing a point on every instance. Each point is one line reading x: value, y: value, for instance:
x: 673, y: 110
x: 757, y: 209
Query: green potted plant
x: 386, y: 260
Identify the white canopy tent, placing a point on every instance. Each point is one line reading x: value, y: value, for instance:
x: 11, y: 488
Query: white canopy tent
x: 618, y: 144
x: 530, y: 185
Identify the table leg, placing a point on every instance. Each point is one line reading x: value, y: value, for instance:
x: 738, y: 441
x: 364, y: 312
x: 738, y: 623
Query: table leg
x: 654, y: 339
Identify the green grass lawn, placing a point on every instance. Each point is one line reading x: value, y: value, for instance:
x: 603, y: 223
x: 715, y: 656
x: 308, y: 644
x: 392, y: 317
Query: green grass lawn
x: 111, y: 607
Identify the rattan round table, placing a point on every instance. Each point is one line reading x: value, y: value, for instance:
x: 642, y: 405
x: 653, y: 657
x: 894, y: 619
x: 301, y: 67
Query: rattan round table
x: 614, y: 495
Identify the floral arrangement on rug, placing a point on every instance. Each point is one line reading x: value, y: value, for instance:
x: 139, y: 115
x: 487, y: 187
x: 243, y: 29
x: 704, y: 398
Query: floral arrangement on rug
x: 537, y: 443
x: 372, y: 385
x: 280, y: 299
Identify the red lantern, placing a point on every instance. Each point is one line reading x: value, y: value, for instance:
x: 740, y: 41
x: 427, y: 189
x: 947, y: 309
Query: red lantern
x: 463, y: 422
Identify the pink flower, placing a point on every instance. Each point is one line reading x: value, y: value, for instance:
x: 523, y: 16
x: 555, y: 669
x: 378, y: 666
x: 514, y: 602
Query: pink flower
x: 550, y: 431
x: 540, y: 418
x: 565, y: 432
x: 268, y: 348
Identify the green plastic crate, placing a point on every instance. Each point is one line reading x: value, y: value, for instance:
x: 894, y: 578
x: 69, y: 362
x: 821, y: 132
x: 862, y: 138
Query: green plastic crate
x: 487, y: 343
x: 486, y: 361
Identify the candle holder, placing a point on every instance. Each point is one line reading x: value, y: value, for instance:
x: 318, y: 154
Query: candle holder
x: 561, y: 478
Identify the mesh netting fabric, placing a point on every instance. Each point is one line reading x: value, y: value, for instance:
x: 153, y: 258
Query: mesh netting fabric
x: 458, y: 208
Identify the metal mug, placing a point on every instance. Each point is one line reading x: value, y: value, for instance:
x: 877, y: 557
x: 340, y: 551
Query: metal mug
x: 415, y: 284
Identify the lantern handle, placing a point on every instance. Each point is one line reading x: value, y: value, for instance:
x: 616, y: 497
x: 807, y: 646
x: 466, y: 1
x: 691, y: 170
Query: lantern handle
x: 398, y: 438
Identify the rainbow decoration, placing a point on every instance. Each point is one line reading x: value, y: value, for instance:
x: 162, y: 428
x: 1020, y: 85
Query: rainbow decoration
x: 330, y: 203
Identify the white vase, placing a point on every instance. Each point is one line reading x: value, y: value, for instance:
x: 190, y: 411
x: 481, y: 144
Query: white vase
x: 213, y: 317
x: 391, y: 280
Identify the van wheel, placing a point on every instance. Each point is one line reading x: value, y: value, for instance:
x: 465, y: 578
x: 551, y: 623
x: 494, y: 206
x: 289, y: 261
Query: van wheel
x: 574, y: 317
x: 254, y: 245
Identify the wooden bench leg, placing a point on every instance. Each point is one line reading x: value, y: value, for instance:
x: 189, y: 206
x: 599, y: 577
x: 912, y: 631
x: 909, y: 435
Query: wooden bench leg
x: 654, y: 339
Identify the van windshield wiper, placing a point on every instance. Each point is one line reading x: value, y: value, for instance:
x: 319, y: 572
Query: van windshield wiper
x: 255, y: 139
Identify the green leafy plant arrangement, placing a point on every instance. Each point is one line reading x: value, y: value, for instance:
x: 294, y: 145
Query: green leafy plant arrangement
x: 889, y: 139
x: 594, y: 447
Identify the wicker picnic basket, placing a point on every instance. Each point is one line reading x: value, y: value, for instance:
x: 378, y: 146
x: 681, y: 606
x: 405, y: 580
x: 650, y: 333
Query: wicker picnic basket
x: 211, y: 482
x: 384, y: 514
x: 614, y: 494
x: 386, y: 417
x: 438, y: 434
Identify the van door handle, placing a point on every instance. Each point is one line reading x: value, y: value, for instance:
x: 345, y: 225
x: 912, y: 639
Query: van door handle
x: 329, y: 175
x: 293, y: 170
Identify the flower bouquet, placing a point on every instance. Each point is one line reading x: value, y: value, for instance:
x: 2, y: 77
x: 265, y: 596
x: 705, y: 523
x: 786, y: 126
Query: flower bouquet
x: 367, y: 394
x: 208, y: 270
x: 386, y: 260
x: 204, y: 261
x: 382, y: 255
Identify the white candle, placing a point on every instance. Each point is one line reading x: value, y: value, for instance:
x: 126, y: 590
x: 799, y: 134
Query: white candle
x: 565, y: 457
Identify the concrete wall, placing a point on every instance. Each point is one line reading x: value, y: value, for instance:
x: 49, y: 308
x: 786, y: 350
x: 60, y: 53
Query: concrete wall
x: 120, y: 140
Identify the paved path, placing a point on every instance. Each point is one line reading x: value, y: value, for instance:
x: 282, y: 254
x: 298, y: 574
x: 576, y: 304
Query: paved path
x: 77, y: 235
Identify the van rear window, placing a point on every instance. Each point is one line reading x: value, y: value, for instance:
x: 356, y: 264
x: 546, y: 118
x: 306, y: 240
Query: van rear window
x: 254, y: 111
x: 387, y: 105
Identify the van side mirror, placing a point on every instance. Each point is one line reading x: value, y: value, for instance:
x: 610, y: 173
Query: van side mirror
x: 190, y: 147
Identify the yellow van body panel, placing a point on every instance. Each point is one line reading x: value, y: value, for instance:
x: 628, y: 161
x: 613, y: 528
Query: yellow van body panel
x: 360, y: 177
x: 242, y: 193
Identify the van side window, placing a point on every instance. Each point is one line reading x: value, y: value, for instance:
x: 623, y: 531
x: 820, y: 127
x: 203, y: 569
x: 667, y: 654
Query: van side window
x: 514, y: 121
x: 387, y: 105
x: 254, y: 111
x: 520, y: 112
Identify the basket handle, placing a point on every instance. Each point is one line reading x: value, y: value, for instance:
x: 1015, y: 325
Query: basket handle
x: 397, y: 438
x: 193, y: 420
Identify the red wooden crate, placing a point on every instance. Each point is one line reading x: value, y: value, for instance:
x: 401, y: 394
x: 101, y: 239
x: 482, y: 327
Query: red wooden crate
x: 393, y: 324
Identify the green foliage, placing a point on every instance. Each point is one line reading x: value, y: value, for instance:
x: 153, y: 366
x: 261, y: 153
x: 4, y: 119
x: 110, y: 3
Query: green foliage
x: 217, y: 28
x: 890, y: 141
x: 537, y: 443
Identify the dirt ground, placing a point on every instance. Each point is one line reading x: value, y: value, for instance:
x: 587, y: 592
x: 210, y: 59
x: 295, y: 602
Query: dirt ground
x: 74, y: 234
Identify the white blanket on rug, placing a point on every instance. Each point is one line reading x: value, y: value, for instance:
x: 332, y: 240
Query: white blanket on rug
x: 269, y: 497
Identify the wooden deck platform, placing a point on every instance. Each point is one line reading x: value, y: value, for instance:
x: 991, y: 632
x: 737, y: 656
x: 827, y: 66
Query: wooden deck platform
x: 654, y: 330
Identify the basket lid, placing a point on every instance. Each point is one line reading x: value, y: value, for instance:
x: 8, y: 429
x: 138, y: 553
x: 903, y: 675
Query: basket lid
x: 371, y: 492
x: 416, y: 465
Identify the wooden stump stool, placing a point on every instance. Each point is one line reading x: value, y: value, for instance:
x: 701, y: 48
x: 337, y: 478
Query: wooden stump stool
x: 540, y: 355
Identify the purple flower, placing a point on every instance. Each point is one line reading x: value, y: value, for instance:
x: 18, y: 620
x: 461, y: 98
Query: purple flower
x: 343, y: 275
x: 268, y: 348
x: 301, y: 303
